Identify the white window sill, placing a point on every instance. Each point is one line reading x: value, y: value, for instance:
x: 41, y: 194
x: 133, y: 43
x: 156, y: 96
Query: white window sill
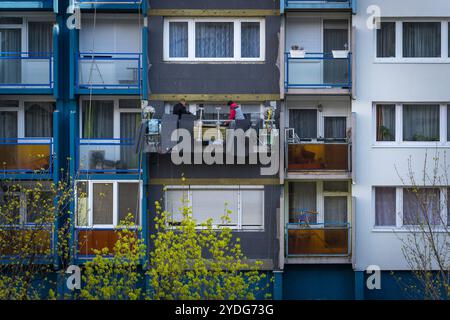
x: 404, y: 230
x: 410, y: 145
x: 412, y: 61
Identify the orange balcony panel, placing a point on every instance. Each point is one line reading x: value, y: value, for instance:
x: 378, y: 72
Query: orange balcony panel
x: 25, y: 157
x: 310, y: 157
x: 90, y: 240
x: 25, y: 242
x: 318, y: 241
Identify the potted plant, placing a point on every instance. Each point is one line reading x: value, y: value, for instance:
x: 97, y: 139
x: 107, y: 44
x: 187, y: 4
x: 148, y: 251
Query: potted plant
x: 341, y: 54
x: 297, y: 52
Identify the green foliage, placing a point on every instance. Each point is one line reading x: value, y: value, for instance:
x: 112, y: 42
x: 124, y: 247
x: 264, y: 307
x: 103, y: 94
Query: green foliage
x: 116, y: 275
x: 200, y: 263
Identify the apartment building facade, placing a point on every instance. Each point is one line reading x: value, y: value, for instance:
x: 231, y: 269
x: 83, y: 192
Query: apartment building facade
x: 350, y: 90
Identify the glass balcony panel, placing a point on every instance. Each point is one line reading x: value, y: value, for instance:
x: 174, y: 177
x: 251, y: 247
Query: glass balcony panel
x: 97, y: 239
x: 318, y: 240
x: 18, y: 155
x: 28, y: 70
x: 318, y: 156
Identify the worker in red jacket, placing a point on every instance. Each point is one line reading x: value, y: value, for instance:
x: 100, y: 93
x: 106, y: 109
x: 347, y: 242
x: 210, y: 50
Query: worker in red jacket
x: 235, y: 112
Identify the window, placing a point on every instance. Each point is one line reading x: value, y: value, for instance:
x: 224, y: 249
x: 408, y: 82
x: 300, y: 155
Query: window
x: 421, y: 206
x: 8, y: 124
x: 98, y: 119
x: 421, y: 122
x: 245, y: 203
x: 385, y: 122
x: 105, y: 204
x: 39, y: 119
x: 304, y: 121
x: 335, y: 127
x: 40, y: 38
x: 302, y: 202
x: 386, y: 40
x: 223, y: 39
x: 385, y: 202
x: 421, y: 39
x: 335, y: 210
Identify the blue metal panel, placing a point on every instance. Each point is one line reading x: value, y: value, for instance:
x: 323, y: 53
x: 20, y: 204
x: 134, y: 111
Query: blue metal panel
x: 116, y: 5
x: 359, y: 285
x: 145, y: 68
x: 26, y: 4
x: 278, y: 285
x: 55, y: 61
x: 315, y: 4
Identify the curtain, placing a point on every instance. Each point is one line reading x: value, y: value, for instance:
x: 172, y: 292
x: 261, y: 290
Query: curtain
x: 98, y: 119
x: 39, y: 119
x: 178, y: 40
x: 335, y: 210
x: 386, y: 122
x: 335, y: 37
x: 8, y: 124
x: 386, y: 40
x: 10, y: 69
x: 302, y: 197
x: 304, y: 122
x: 103, y: 203
x: 385, y: 201
x: 40, y: 38
x: 214, y: 39
x: 421, y: 39
x: 335, y: 127
x: 129, y: 123
x: 250, y: 38
x: 421, y: 206
x: 421, y: 122
x: 129, y: 201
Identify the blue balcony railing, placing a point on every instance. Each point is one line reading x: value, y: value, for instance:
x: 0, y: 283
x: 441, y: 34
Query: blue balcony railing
x: 26, y: 70
x: 26, y: 4
x: 107, y: 156
x: 318, y: 70
x: 109, y: 1
x: 104, y: 70
x: 26, y: 155
x: 111, y: 4
x: 317, y: 4
x: 318, y: 239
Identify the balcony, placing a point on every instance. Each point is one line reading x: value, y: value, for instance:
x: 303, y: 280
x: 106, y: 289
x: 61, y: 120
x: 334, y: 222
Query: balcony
x: 26, y: 155
x: 103, y: 73
x: 317, y: 239
x: 109, y: 4
x: 102, y: 156
x: 88, y: 240
x: 318, y: 73
x: 26, y: 72
x: 26, y: 4
x: 317, y: 4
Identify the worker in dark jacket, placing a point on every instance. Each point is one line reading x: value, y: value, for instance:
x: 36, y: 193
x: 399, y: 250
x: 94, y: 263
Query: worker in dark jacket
x: 180, y: 108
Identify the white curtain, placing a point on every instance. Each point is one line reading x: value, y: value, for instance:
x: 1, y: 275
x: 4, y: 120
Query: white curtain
x: 98, y: 119
x: 304, y: 121
x: 421, y: 39
x: 178, y: 38
x: 129, y: 123
x: 39, y: 119
x: 386, y: 40
x: 421, y: 206
x: 103, y: 203
x: 335, y: 127
x: 302, y: 197
x: 385, y: 206
x: 335, y: 210
x: 214, y: 39
x: 40, y: 38
x: 128, y: 201
x: 8, y: 124
x: 10, y: 69
x: 421, y: 122
x: 250, y: 40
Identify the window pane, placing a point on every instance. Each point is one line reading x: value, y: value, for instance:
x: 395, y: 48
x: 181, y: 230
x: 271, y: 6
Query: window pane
x: 129, y: 124
x: 385, y: 200
x: 11, y: 69
x: 252, y: 207
x: 178, y: 39
x: 421, y: 122
x: 421, y: 206
x: 335, y: 186
x: 39, y: 212
x: 39, y: 119
x: 304, y: 122
x: 335, y: 210
x: 8, y: 124
x: 386, y: 40
x: 129, y: 201
x: 302, y: 202
x: 214, y: 39
x: 10, y: 205
x: 98, y: 119
x: 211, y: 204
x: 40, y: 37
x: 386, y: 122
x: 82, y: 203
x: 176, y: 200
x: 250, y: 40
x: 335, y: 127
x: 103, y: 203
x: 421, y: 39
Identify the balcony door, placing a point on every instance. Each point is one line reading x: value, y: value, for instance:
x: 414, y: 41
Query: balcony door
x: 10, y: 46
x: 335, y: 37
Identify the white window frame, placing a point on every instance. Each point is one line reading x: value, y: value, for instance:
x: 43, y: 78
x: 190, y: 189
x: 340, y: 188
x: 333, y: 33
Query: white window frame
x: 115, y: 183
x: 237, y: 39
x: 399, y: 226
x: 117, y: 112
x: 445, y: 54
x: 237, y: 188
x: 20, y: 109
x: 399, y: 127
